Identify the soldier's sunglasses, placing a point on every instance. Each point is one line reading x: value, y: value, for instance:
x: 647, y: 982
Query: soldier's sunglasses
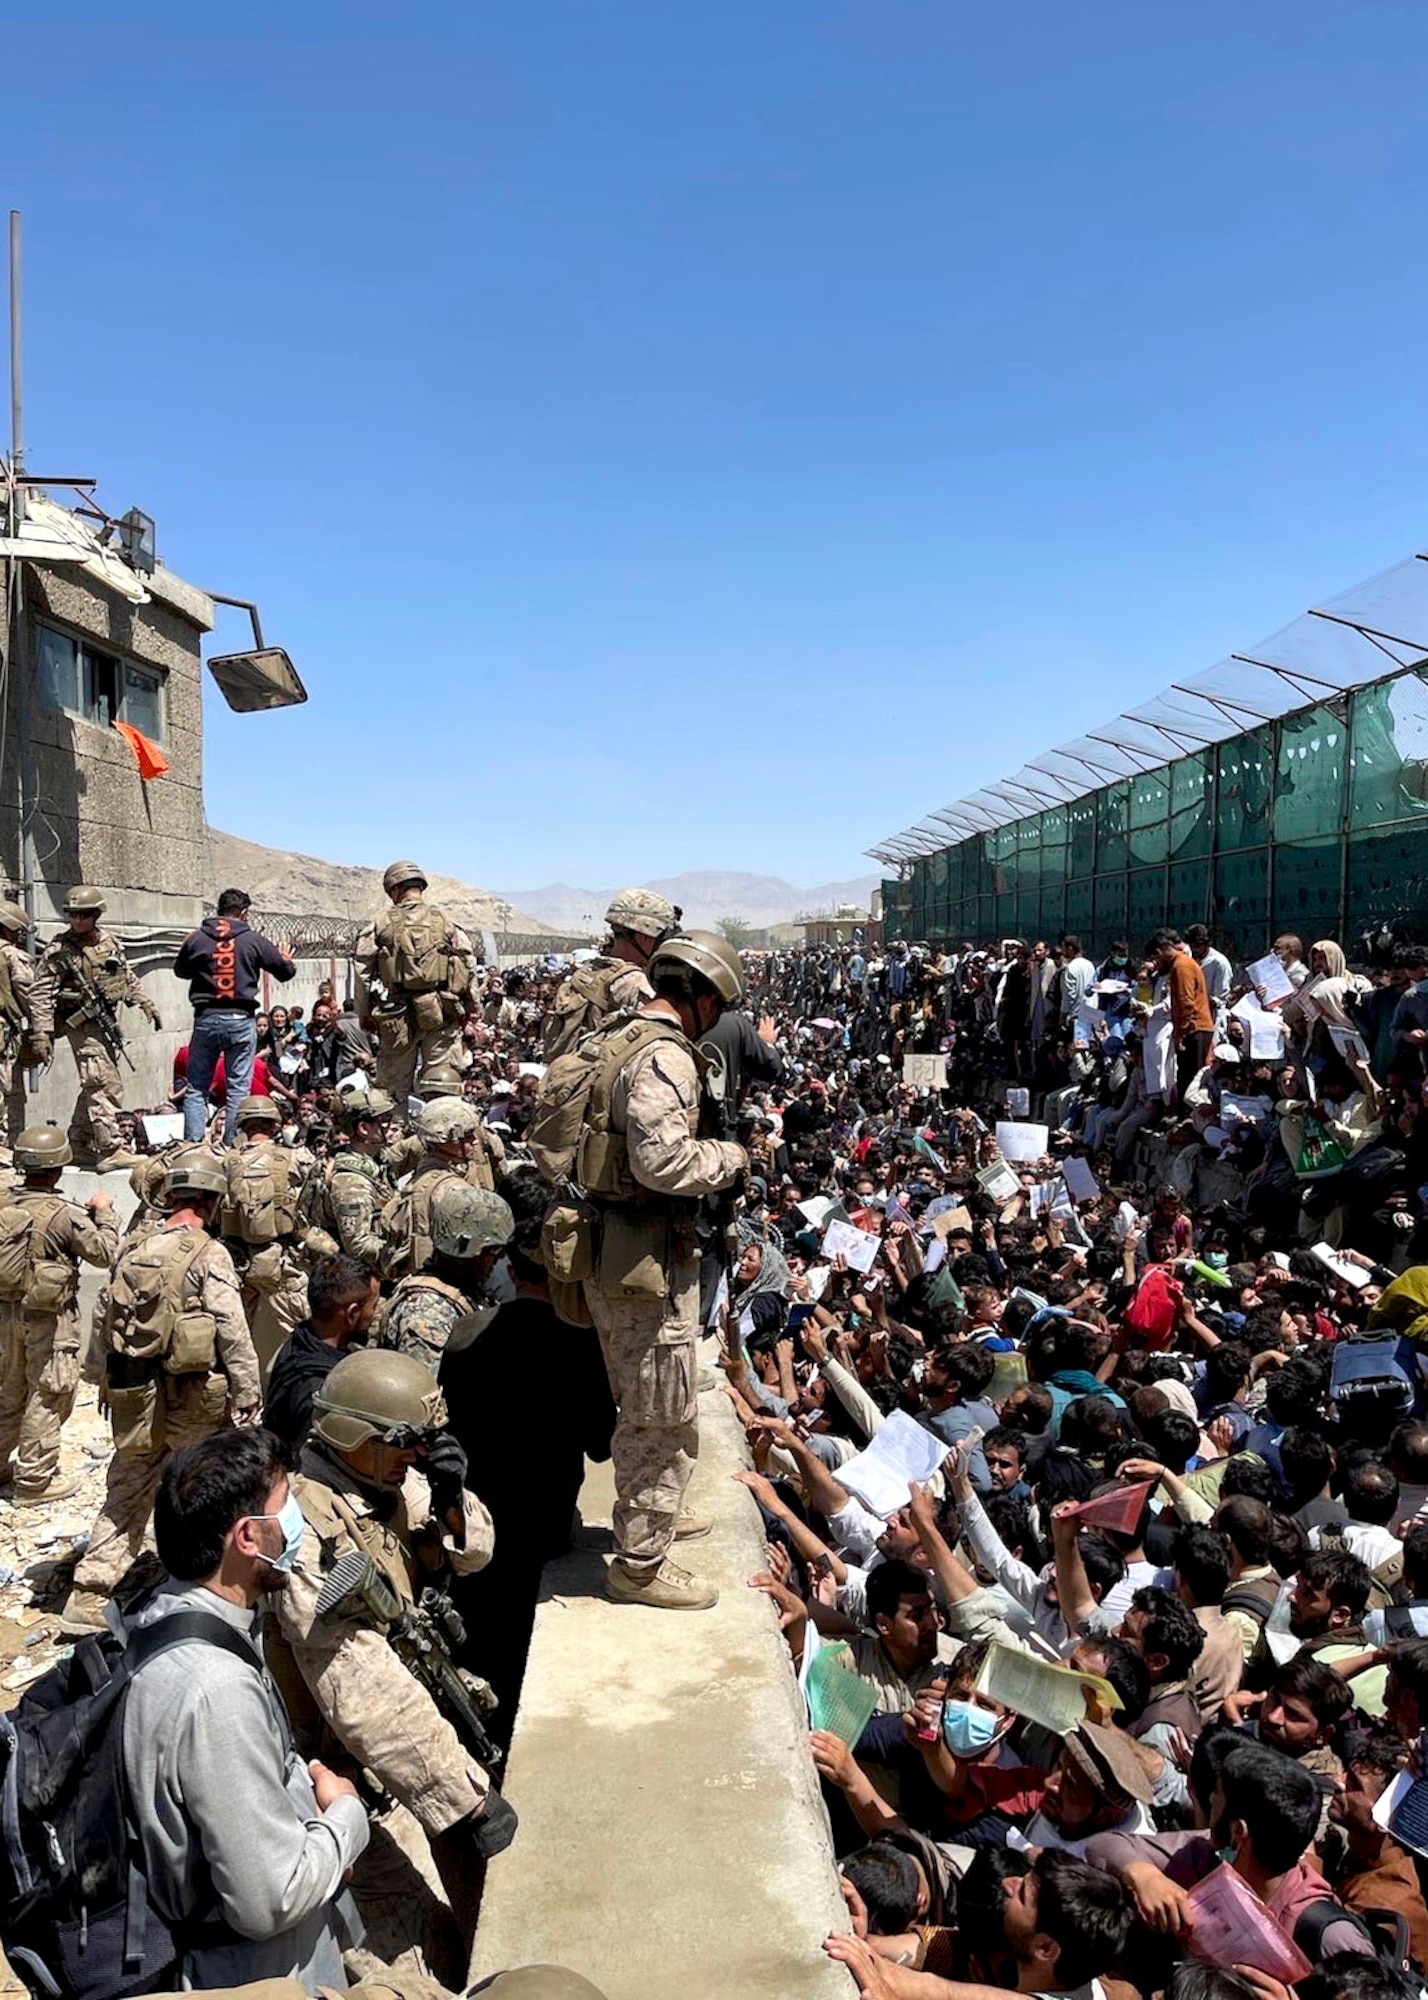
x: 406, y: 1437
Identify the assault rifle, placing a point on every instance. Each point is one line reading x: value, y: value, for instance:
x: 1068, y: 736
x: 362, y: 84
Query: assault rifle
x: 103, y: 1013
x: 423, y: 1636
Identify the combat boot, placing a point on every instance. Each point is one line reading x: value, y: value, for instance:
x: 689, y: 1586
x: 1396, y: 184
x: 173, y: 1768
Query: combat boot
x: 58, y: 1489
x: 691, y: 1527
x: 664, y: 1588
x: 83, y: 1612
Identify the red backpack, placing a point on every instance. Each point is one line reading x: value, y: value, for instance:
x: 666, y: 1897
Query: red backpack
x: 1152, y: 1313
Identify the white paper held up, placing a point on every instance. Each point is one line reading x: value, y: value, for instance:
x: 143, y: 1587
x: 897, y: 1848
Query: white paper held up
x: 901, y: 1452
x: 1268, y: 975
x: 857, y: 1246
x: 1021, y: 1142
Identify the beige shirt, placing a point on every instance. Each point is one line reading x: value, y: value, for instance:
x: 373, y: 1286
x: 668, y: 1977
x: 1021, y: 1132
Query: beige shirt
x: 655, y: 1103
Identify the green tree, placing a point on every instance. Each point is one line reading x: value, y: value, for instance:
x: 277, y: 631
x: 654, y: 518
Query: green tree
x: 736, y: 932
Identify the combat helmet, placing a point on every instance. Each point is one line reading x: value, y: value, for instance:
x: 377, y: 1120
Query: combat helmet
x: 354, y: 1105
x: 195, y: 1173
x: 13, y: 918
x: 401, y: 874
x: 377, y: 1394
x: 467, y: 1220
x: 445, y: 1120
x: 641, y: 911
x: 82, y: 902
x: 42, y: 1147
x: 254, y: 1108
x: 704, y: 952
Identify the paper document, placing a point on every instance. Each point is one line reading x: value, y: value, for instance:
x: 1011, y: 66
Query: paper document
x: 999, y: 1181
x: 841, y: 1239
x: 838, y: 1699
x: 1270, y: 979
x: 1266, y: 1037
x: 820, y: 1209
x: 927, y: 1072
x: 161, y: 1128
x: 1402, y: 1810
x: 1119, y: 1509
x: 1054, y: 1696
x: 1350, y: 1044
x: 1348, y: 1274
x: 956, y: 1217
x: 1238, y: 1110
x: 1229, y: 1925
x: 1081, y: 1182
x: 901, y: 1452
x: 1021, y: 1142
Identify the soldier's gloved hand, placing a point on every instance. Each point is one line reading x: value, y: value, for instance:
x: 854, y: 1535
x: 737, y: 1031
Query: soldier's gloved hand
x: 39, y: 1049
x: 494, y: 1828
x: 444, y: 1464
x: 153, y: 1013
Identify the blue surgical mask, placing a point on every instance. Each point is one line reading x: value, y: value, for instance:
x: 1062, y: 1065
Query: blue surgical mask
x: 290, y: 1519
x: 967, y: 1729
x: 1218, y: 1260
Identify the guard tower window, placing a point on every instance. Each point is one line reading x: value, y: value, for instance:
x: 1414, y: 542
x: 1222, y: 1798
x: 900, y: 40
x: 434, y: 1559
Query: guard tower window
x: 78, y: 678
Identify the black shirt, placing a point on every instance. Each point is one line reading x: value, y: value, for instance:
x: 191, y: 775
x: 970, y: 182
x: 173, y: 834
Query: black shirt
x: 301, y: 1364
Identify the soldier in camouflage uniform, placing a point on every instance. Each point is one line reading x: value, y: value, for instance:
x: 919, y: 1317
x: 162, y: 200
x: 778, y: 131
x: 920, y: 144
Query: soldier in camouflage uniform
x: 84, y: 956
x: 17, y: 1019
x: 646, y: 1168
x: 422, y: 962
x: 381, y: 1475
x: 154, y: 1408
x: 343, y: 1201
x: 443, y: 1303
x: 39, y: 1331
x: 453, y: 1146
x: 614, y: 983
x: 266, y: 1257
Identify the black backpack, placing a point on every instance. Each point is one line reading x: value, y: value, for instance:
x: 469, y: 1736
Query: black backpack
x: 1385, y: 1930
x: 74, y: 1910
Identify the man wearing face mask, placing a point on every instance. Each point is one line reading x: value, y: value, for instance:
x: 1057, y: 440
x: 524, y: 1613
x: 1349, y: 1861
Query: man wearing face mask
x: 380, y: 1475
x: 444, y: 1305
x: 646, y: 1156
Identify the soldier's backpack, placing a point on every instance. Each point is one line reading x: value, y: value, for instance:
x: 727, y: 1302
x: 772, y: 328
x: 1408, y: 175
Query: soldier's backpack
x: 27, y: 1277
x: 415, y: 952
x: 12, y: 1015
x: 582, y: 1005
x: 261, y: 1205
x: 150, y: 1312
x: 580, y: 1082
x: 74, y: 1909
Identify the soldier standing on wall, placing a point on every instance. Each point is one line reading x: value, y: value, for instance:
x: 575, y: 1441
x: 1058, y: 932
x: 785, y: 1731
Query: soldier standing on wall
x: 422, y: 962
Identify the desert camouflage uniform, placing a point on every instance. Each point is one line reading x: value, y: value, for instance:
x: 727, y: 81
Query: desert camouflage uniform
x: 601, y: 990
x: 12, y: 1072
x: 272, y: 1276
x: 403, y: 1045
x: 650, y: 1343
x: 39, y: 1352
x: 59, y: 1007
x: 348, y: 1201
x: 425, y: 1312
x: 159, y: 1417
x: 354, y: 1704
x: 431, y: 1174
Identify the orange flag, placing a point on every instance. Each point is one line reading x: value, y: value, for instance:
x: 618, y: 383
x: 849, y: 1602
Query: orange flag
x: 148, y: 756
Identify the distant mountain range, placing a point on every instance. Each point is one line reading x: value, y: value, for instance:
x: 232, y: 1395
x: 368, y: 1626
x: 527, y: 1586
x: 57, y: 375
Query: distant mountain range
x: 704, y: 895
x: 299, y: 885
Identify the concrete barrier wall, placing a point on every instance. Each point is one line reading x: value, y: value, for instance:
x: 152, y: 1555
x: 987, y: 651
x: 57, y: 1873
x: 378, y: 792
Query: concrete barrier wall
x: 673, y: 1841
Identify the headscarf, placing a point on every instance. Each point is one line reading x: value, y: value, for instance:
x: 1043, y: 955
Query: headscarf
x: 773, y: 1274
x: 1323, y: 996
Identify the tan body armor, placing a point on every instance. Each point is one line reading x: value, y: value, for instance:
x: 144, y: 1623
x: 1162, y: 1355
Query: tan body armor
x: 420, y: 965
x: 153, y: 1312
x: 583, y: 1004
x: 28, y: 1277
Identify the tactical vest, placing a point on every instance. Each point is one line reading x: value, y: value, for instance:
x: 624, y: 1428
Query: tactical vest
x: 337, y: 1525
x: 28, y: 1278
x: 100, y: 963
x: 569, y: 1134
x: 152, y: 1310
x: 582, y: 1005
x: 315, y: 1208
x: 416, y: 952
x: 470, y: 1317
x: 262, y: 1200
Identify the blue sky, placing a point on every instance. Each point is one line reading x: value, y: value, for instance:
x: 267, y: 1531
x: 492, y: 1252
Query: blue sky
x: 675, y: 435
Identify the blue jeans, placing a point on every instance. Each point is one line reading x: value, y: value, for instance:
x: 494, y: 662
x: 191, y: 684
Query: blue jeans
x: 218, y: 1031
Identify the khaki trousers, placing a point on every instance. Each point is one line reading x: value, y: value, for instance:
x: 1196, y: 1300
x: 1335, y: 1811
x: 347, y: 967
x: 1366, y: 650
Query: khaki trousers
x: 94, y: 1123
x: 150, y: 1423
x: 39, y: 1375
x: 650, y: 1356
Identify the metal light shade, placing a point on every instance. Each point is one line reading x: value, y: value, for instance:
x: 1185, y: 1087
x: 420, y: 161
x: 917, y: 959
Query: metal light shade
x: 264, y: 678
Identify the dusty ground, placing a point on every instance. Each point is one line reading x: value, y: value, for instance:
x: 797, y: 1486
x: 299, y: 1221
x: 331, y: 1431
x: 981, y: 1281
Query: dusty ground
x: 39, y: 1547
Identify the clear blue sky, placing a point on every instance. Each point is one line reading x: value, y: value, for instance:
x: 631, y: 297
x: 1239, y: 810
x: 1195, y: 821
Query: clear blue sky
x: 677, y: 435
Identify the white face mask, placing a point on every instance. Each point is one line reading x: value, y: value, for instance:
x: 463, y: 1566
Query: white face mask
x: 290, y: 1519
